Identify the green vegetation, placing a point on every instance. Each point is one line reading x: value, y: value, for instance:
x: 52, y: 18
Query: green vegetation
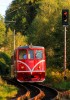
x: 55, y: 77
x: 6, y: 90
x: 39, y: 22
x: 2, y: 30
x: 63, y: 85
x: 4, y: 64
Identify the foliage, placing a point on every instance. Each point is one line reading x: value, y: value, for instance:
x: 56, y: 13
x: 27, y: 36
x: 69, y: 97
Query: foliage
x: 9, y: 41
x: 41, y: 22
x: 7, y: 91
x: 23, y: 12
x: 4, y: 64
x: 20, y: 39
x: 55, y: 77
x: 2, y: 30
x: 64, y: 85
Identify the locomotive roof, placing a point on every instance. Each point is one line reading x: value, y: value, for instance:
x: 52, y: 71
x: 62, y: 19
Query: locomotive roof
x: 26, y: 47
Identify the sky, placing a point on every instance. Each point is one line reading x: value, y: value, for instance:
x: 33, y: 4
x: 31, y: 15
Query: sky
x: 4, y: 5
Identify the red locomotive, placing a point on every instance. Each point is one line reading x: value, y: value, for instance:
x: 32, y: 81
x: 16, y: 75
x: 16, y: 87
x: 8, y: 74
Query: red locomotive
x: 29, y: 64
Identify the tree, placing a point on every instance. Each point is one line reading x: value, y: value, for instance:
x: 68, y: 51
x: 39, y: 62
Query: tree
x: 20, y: 39
x: 23, y: 12
x: 9, y: 42
x: 45, y: 27
x: 2, y: 30
x: 4, y: 64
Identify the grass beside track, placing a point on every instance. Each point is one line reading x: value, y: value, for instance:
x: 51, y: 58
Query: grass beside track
x: 55, y: 77
x: 6, y: 90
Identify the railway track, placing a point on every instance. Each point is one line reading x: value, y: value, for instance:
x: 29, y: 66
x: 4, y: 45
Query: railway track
x: 32, y: 91
x: 50, y: 93
x: 35, y: 92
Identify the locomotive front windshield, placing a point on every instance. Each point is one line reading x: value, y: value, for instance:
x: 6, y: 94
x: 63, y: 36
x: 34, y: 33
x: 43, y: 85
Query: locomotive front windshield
x: 22, y: 54
x: 39, y: 54
x: 30, y: 54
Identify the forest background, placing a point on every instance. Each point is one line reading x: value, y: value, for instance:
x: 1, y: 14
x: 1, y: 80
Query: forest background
x: 38, y: 22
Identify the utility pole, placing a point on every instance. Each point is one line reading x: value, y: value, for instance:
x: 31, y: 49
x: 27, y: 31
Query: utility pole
x: 14, y: 39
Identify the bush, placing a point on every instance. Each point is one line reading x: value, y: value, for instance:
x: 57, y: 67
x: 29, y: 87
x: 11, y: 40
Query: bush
x: 55, y: 77
x: 63, y: 85
x: 6, y: 90
x: 4, y: 64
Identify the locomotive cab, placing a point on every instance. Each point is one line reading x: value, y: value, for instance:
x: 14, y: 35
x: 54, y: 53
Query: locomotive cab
x: 30, y: 64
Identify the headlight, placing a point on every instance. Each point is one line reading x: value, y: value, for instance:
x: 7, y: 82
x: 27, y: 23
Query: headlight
x: 22, y: 67
x: 38, y: 67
